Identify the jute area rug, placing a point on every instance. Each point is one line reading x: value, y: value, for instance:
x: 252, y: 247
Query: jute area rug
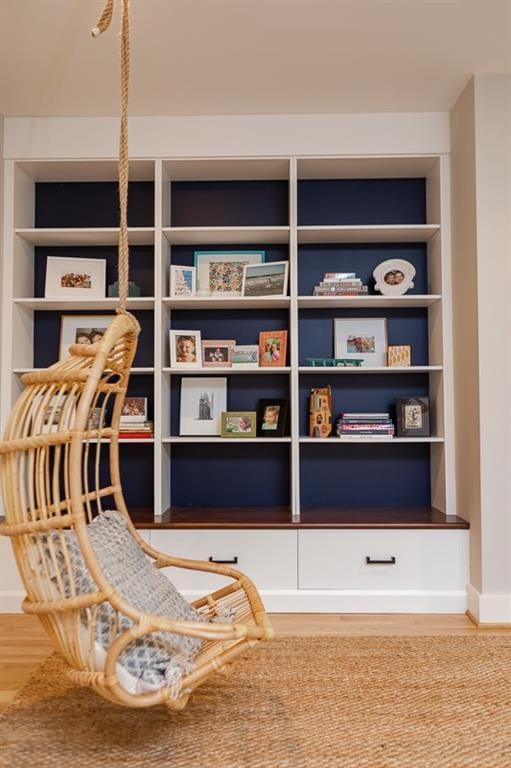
x: 380, y: 702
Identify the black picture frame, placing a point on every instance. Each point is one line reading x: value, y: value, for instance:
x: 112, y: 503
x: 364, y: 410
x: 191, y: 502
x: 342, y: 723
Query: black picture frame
x: 280, y: 430
x: 410, y: 411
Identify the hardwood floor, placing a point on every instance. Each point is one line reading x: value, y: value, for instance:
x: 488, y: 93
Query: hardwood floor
x: 24, y: 645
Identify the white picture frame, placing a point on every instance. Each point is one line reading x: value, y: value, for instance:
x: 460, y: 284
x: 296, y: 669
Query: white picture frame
x: 203, y: 400
x: 394, y: 277
x: 245, y: 356
x: 81, y: 329
x: 70, y: 278
x: 228, y: 279
x: 361, y: 338
x: 185, y: 349
x: 183, y: 281
x: 268, y: 279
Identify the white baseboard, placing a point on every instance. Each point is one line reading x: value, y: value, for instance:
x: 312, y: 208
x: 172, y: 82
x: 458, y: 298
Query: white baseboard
x: 331, y: 601
x: 489, y: 608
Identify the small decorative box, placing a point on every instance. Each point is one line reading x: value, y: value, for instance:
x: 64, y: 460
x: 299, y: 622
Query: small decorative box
x: 399, y: 357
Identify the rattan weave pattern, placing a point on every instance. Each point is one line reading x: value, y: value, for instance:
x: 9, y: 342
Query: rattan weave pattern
x: 323, y: 702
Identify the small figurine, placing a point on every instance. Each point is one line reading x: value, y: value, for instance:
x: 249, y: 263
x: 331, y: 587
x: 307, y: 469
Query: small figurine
x: 320, y: 422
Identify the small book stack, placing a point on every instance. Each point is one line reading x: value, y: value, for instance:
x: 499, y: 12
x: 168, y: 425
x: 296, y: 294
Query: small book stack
x: 340, y: 284
x: 136, y: 431
x: 365, y: 426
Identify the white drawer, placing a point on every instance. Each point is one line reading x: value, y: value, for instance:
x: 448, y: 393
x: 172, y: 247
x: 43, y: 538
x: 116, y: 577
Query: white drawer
x: 267, y: 557
x: 432, y: 560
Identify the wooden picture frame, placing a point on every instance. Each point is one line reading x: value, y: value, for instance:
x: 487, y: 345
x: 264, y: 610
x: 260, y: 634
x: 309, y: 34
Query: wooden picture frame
x: 272, y: 349
x: 217, y: 353
x: 239, y: 424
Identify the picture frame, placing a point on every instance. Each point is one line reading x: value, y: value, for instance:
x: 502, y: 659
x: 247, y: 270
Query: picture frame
x: 50, y: 420
x: 220, y: 273
x: 185, y: 349
x: 96, y: 418
x: 239, y: 424
x: 134, y: 410
x: 81, y: 329
x: 217, y: 353
x: 203, y: 400
x: 394, y: 277
x: 272, y: 349
x: 272, y: 417
x: 71, y: 278
x: 245, y: 356
x: 268, y: 279
x: 361, y: 338
x: 183, y: 281
x: 413, y: 417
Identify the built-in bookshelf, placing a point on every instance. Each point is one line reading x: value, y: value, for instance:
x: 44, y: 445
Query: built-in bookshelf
x: 320, y: 214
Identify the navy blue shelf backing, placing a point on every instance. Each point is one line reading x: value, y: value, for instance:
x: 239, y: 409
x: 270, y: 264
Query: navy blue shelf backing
x: 229, y: 203
x: 92, y: 204
x: 243, y: 391
x: 183, y: 254
x: 315, y: 260
x: 361, y: 201
x: 141, y: 264
x: 47, y: 335
x: 230, y: 475
x: 243, y: 325
x: 380, y: 475
x: 404, y: 326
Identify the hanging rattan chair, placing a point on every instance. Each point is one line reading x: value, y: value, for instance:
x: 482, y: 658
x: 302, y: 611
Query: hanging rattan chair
x: 56, y: 487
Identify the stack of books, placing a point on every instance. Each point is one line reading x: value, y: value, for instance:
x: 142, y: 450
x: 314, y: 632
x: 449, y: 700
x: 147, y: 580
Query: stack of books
x: 136, y: 430
x: 340, y: 284
x: 365, y: 426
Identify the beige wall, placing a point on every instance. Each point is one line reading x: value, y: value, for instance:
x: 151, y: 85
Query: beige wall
x: 481, y: 214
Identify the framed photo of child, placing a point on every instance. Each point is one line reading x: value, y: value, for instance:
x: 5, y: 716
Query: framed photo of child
x: 218, y: 353
x: 272, y: 417
x: 185, y: 349
x: 272, y: 349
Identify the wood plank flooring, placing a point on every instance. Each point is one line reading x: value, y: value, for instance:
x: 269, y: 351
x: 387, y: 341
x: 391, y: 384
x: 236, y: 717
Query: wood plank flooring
x: 24, y: 645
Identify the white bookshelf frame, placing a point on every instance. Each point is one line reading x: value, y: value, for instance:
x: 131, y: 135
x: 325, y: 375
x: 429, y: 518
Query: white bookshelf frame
x: 18, y: 305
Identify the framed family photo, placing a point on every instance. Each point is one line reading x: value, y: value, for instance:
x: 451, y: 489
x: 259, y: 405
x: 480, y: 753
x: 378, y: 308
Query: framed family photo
x: 269, y: 279
x: 361, y: 338
x: 239, y: 424
x: 134, y: 410
x: 272, y: 349
x: 185, y: 349
x: 182, y: 281
x: 221, y: 272
x: 272, y: 416
x: 203, y: 400
x: 81, y: 329
x: 68, y: 278
x: 218, y: 353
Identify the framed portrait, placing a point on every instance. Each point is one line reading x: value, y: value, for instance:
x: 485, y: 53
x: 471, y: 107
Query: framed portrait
x: 245, y: 356
x: 185, y: 349
x: 272, y: 417
x: 52, y: 417
x: 272, y: 349
x: 81, y: 329
x: 203, y: 400
x: 134, y: 410
x: 239, y: 424
x: 394, y: 277
x: 96, y: 418
x: 217, y: 352
x: 412, y: 417
x: 182, y: 281
x: 80, y: 279
x: 221, y: 272
x: 269, y: 279
x: 361, y: 338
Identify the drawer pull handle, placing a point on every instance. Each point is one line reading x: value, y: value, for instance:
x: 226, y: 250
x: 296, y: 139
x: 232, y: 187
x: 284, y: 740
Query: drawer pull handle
x: 234, y: 561
x: 390, y: 561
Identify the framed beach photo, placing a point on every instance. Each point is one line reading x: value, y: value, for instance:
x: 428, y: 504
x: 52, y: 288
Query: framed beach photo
x: 221, y: 272
x: 218, y: 353
x: 182, y: 281
x: 269, y: 279
x: 245, y: 356
x: 185, y: 349
x: 272, y: 416
x: 134, y: 410
x: 272, y: 349
x: 361, y: 338
x: 68, y: 278
x: 239, y: 424
x: 81, y: 329
x: 203, y: 400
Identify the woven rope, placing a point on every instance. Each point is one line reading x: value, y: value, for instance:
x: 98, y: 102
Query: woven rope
x: 102, y: 25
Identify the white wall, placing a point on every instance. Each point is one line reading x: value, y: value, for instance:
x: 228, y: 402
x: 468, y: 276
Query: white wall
x: 481, y: 153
